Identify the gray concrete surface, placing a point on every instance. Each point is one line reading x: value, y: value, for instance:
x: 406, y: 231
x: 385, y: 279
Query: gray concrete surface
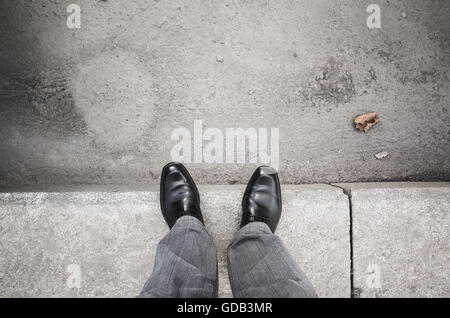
x: 401, y: 239
x: 112, y: 236
x: 97, y: 105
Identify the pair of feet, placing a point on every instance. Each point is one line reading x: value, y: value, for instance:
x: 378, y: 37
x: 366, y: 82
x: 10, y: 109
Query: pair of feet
x: 261, y: 202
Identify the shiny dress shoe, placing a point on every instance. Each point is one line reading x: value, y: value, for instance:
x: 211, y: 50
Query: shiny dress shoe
x: 178, y: 194
x: 262, y: 198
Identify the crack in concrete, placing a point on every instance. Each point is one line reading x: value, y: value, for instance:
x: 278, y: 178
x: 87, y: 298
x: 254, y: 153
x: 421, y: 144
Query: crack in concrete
x: 348, y: 193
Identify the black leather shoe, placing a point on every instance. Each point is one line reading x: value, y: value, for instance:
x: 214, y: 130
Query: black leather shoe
x: 178, y: 194
x: 262, y: 198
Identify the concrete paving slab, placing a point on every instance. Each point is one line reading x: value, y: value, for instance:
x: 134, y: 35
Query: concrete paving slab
x: 112, y: 236
x: 401, y: 239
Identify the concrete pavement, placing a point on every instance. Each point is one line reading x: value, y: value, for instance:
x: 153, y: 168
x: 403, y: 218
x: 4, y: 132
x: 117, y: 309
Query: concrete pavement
x: 98, y: 105
x: 111, y: 238
x: 401, y: 239
x: 395, y: 237
x: 88, y: 117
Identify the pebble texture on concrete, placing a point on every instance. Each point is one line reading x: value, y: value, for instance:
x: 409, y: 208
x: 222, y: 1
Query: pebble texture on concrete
x: 112, y: 236
x: 401, y: 239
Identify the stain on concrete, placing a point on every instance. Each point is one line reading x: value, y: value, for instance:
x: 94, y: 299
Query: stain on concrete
x: 333, y: 85
x: 54, y: 104
x: 115, y: 97
x: 42, y: 102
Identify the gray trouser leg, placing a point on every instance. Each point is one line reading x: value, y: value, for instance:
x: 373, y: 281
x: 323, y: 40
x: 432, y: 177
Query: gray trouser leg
x: 259, y: 265
x: 185, y: 263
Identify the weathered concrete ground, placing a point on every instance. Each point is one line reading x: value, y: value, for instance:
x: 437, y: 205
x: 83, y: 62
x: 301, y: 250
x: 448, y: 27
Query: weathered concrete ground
x: 97, y: 105
x: 401, y: 239
x: 393, y: 237
x: 94, y: 108
x: 112, y: 238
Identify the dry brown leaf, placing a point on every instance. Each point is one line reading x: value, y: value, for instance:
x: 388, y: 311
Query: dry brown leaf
x: 365, y: 122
